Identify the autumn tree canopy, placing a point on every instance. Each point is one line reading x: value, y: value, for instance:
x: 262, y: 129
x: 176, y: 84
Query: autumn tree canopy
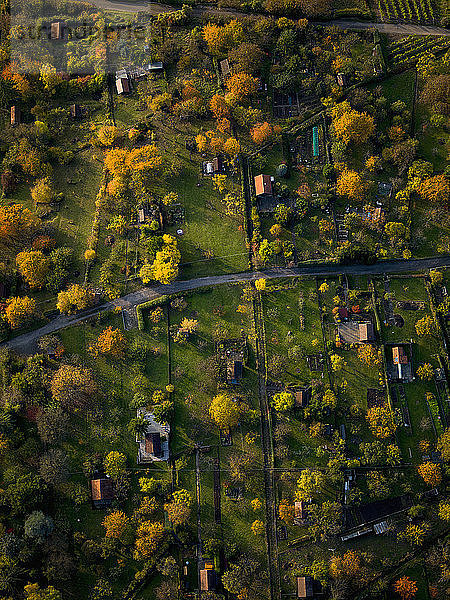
x: 349, y: 125
x: 224, y: 411
x: 351, y: 184
x: 73, y: 387
x: 20, y: 311
x: 76, y: 297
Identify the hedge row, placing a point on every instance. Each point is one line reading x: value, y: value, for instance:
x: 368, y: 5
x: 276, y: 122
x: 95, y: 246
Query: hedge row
x: 141, y: 307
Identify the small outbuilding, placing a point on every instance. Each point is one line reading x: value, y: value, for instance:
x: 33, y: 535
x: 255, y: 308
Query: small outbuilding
x: 302, y: 397
x: 225, y: 69
x: 398, y: 356
x: 263, y: 186
x: 366, y: 332
x: 123, y: 85
x: 300, y: 512
x: 153, y: 444
x: 341, y: 79
x: 16, y: 116
x: 58, y: 30
x: 75, y: 111
x: 305, y: 587
x: 208, y: 580
x: 102, y: 492
x: 234, y: 370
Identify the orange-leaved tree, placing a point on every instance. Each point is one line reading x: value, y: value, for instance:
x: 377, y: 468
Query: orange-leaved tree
x: 111, y: 342
x: 435, y: 189
x: 241, y: 85
x: 347, y: 565
x: 406, y: 588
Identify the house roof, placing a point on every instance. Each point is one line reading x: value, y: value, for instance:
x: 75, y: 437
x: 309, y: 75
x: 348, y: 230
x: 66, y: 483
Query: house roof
x: 299, y: 510
x: 263, y: 185
x: 305, y: 587
x: 102, y: 489
x: 217, y: 164
x: 153, y: 443
x: 366, y: 333
x: 57, y: 30
x: 122, y: 85
x: 398, y: 355
x: 302, y: 397
x: 225, y: 67
x: 75, y: 110
x: 15, y: 115
x: 207, y: 580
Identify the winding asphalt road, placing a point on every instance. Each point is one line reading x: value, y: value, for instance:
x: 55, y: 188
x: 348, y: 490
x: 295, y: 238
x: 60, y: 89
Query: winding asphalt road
x: 26, y: 343
x: 156, y: 7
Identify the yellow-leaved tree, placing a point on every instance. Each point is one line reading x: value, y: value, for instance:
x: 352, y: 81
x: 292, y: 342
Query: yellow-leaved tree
x: 352, y: 185
x: 224, y: 411
x: 349, y: 125
x: 20, y: 311
x: 381, y: 421
x: 149, y: 536
x: 431, y: 473
x: 165, y: 266
x: 34, y: 267
x: 116, y: 524
x: 76, y: 297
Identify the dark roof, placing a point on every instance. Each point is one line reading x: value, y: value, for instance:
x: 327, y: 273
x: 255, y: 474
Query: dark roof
x: 102, y: 489
x: 122, y: 85
x: 234, y: 371
x: 263, y: 185
x: 302, y: 397
x: 305, y: 587
x: 75, y: 111
x: 225, y: 67
x: 383, y: 508
x: 153, y: 443
x: 207, y: 580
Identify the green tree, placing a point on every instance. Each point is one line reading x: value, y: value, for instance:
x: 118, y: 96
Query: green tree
x: 38, y: 526
x: 115, y: 464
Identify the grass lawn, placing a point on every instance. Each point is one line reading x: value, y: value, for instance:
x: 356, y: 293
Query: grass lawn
x: 292, y: 318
